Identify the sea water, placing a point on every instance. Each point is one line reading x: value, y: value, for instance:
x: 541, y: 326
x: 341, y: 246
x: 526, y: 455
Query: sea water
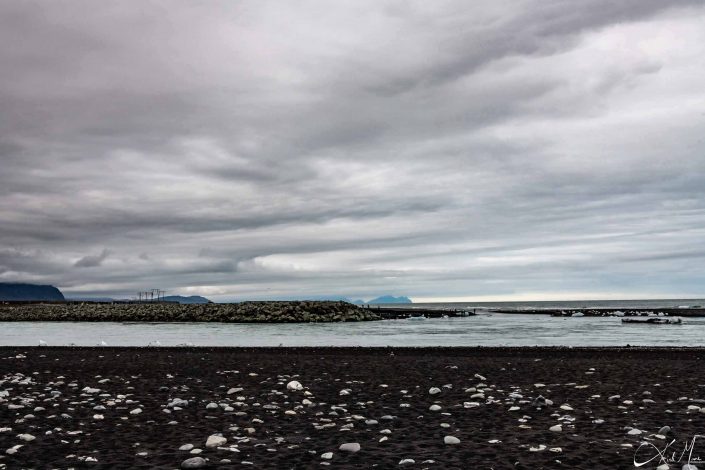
x: 483, y: 329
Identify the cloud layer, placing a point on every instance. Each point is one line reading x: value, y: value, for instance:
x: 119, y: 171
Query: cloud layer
x: 433, y: 149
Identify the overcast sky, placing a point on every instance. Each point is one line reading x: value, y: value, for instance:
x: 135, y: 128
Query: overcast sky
x: 435, y: 149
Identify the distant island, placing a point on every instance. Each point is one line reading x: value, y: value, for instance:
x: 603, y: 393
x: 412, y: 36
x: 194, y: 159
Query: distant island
x: 29, y: 292
x: 390, y: 299
x: 384, y: 299
x: 193, y: 299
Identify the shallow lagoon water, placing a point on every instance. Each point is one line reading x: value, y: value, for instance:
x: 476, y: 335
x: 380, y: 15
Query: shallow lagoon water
x: 480, y: 330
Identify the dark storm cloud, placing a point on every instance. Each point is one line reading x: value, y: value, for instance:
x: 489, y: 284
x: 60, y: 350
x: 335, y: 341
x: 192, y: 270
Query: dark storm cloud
x: 435, y: 149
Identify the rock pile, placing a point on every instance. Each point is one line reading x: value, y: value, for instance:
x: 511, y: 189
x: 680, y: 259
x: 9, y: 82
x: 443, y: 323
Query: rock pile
x: 245, y: 312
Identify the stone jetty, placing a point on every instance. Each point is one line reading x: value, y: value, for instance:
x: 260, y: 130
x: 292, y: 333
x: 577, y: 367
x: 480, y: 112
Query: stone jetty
x: 609, y: 312
x: 245, y: 312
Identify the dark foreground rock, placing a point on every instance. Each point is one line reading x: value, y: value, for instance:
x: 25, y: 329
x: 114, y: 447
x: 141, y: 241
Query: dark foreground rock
x: 299, y: 408
x: 245, y: 312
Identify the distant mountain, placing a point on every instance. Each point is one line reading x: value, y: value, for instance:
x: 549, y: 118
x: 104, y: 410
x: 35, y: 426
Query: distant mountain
x: 12, y: 291
x: 194, y: 299
x: 91, y: 299
x: 390, y: 299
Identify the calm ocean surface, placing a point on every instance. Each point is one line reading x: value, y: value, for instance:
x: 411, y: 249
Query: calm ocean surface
x: 484, y: 329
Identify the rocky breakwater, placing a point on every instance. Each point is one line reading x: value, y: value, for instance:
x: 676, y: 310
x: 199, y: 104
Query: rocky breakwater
x: 245, y: 312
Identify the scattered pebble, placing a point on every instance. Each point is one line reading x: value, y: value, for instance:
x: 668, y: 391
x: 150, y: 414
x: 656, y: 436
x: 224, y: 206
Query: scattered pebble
x: 351, y: 447
x: 194, y: 462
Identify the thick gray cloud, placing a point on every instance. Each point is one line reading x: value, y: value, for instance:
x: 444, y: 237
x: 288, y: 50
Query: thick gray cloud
x: 434, y: 149
x: 92, y: 261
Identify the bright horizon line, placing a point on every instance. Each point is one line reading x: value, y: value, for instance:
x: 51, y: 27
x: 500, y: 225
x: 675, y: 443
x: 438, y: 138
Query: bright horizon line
x: 555, y: 297
x: 528, y: 297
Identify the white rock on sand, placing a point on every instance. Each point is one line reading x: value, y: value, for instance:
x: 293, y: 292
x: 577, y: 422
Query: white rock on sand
x: 451, y: 440
x: 434, y: 391
x: 294, y: 386
x: 13, y: 450
x: 194, y: 462
x: 351, y: 447
x: 177, y: 402
x: 215, y: 441
x: 556, y: 428
x: 327, y: 456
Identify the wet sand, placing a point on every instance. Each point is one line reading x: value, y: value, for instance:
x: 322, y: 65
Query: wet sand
x: 77, y: 407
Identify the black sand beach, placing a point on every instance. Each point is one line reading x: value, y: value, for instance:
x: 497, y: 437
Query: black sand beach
x: 76, y: 407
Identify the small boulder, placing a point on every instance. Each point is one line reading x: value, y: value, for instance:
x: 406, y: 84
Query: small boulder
x: 194, y: 462
x: 215, y: 441
x: 294, y: 386
x: 451, y: 440
x: 351, y: 447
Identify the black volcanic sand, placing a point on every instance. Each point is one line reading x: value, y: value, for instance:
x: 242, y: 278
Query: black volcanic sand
x: 656, y: 387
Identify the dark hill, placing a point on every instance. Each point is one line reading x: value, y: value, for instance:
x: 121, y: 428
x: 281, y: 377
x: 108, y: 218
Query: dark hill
x: 389, y: 299
x: 12, y: 291
x: 194, y: 299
